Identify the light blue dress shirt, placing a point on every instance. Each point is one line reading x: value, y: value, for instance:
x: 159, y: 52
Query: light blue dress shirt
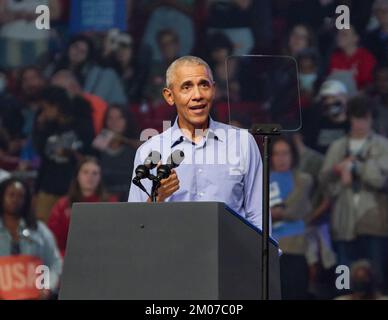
x: 224, y: 166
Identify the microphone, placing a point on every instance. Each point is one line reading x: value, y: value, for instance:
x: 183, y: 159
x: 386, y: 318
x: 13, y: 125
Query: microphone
x: 173, y: 161
x: 143, y: 170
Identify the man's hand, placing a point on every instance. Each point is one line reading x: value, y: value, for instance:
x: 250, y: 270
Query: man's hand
x: 346, y: 178
x: 167, y: 187
x: 343, y: 165
x: 343, y: 170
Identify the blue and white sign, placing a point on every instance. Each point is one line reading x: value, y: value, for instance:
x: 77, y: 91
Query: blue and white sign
x: 97, y: 15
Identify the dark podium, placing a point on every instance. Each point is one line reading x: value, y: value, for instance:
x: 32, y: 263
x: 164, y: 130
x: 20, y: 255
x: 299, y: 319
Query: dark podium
x: 163, y: 251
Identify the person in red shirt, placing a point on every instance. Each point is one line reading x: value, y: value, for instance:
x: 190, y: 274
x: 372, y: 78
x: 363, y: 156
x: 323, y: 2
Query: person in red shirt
x: 85, y: 187
x: 349, y: 56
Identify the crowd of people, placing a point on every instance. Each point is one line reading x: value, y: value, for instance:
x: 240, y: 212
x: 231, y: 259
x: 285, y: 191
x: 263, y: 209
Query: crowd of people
x: 74, y: 104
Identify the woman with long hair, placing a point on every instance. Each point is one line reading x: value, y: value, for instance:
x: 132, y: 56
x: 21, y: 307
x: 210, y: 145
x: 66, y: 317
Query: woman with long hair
x: 116, y: 157
x: 290, y: 205
x: 22, y: 234
x: 86, y: 186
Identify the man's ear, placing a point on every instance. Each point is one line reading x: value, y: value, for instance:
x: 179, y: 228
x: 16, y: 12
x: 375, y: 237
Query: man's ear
x: 167, y: 95
x: 214, y: 89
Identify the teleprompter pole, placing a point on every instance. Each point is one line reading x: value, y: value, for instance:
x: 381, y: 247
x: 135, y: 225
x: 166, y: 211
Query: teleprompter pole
x: 266, y: 131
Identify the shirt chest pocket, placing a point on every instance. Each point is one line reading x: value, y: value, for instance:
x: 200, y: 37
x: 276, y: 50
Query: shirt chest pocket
x: 224, y: 176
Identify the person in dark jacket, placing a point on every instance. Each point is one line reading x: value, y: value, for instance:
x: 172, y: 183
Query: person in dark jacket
x: 61, y: 137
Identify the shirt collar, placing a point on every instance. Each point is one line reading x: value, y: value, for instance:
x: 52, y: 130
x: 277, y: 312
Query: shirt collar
x: 178, y: 137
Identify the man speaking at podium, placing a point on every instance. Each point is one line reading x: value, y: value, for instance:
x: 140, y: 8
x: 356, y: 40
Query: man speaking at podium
x: 221, y: 163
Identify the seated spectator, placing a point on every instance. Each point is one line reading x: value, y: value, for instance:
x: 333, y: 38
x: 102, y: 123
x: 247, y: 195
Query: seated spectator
x: 349, y: 56
x: 300, y: 38
x: 290, y: 204
x: 21, y: 234
x: 89, y: 103
x: 168, y: 43
x: 86, y: 186
x: 309, y: 74
x: 29, y: 86
x: 8, y: 161
x: 80, y: 58
x: 363, y: 283
x: 354, y: 177
x: 11, y: 118
x: 219, y: 48
x: 380, y: 97
x: 131, y: 66
x: 117, y: 145
x: 377, y: 40
x: 60, y: 139
x: 244, y: 22
x: 11, y: 126
x: 326, y: 120
x: 21, y: 43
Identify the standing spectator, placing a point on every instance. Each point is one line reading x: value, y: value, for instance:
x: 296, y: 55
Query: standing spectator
x: 21, y: 234
x: 175, y: 15
x: 30, y: 84
x: 86, y: 186
x: 117, y: 145
x: 132, y: 67
x: 21, y: 43
x: 326, y: 120
x: 290, y: 204
x: 60, y: 139
x: 168, y: 43
x: 354, y: 176
x: 319, y: 252
x: 80, y: 58
x: 377, y: 40
x: 351, y: 57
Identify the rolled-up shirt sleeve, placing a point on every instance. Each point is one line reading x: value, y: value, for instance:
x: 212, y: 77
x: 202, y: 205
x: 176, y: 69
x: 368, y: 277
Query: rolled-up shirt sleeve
x: 253, y: 182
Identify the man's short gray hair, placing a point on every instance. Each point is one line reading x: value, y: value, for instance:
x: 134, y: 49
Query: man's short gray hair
x: 182, y: 61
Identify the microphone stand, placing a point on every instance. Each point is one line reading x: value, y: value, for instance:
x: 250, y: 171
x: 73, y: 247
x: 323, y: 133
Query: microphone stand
x: 155, y: 186
x: 267, y: 131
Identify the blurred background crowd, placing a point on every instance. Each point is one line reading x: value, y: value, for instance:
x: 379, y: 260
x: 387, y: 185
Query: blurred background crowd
x: 74, y: 100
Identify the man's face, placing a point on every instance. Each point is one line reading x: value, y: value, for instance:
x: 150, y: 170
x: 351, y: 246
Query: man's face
x: 14, y: 198
x: 192, y: 91
x: 169, y: 47
x: 32, y: 83
x: 78, y: 52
